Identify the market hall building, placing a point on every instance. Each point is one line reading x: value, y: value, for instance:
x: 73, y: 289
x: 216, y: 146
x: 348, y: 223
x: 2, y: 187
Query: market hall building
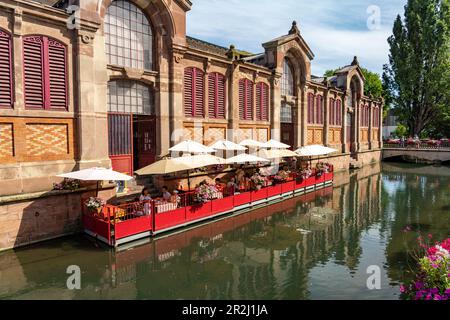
x: 117, y: 83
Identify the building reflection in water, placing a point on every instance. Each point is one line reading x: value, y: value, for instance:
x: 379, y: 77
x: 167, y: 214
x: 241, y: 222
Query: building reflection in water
x: 263, y: 254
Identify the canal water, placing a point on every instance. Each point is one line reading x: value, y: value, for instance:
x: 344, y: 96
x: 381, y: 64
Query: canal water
x: 316, y: 246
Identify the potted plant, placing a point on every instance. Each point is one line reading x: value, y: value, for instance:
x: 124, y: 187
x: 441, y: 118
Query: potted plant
x: 67, y: 184
x: 257, y: 181
x: 205, y: 192
x: 95, y: 204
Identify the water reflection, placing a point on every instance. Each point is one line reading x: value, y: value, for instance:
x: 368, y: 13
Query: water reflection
x: 316, y: 246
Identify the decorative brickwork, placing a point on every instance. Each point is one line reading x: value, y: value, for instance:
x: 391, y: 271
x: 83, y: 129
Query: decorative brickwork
x: 334, y: 136
x: 315, y: 136
x: 262, y: 134
x: 375, y: 135
x: 214, y: 134
x: 364, y: 135
x: 6, y: 140
x: 47, y: 139
x: 244, y: 134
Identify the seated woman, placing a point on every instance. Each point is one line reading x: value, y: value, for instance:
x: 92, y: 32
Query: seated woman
x: 232, y: 187
x: 146, y: 198
x: 175, y: 198
x: 166, y: 194
x: 219, y: 185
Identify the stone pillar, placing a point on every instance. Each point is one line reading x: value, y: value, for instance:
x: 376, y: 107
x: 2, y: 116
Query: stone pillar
x: 19, y: 98
x: 370, y: 135
x: 233, y: 101
x: 380, y: 127
x: 344, y: 114
x: 91, y: 104
x: 171, y: 110
x: 326, y: 122
x: 275, y: 102
x: 357, y: 125
x: 303, y: 123
x: 206, y: 69
x: 255, y: 78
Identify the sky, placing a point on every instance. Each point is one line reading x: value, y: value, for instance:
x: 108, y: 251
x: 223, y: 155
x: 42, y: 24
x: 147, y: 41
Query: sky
x: 335, y: 30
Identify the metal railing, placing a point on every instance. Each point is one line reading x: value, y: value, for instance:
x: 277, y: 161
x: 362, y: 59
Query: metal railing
x: 423, y: 145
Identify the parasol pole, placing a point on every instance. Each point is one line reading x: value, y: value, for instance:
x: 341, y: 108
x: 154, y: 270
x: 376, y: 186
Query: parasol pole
x: 189, y: 182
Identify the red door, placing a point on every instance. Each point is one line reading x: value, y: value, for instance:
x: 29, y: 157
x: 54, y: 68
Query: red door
x: 287, y: 134
x: 144, y: 141
x: 120, y: 144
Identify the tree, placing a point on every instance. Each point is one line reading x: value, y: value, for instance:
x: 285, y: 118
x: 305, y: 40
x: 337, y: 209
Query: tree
x: 417, y: 77
x: 372, y: 86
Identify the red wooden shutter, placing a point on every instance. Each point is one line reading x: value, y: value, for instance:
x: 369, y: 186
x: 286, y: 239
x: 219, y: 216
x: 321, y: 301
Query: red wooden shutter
x: 331, y: 111
x: 188, y: 93
x: 249, y: 101
x: 242, y: 99
x: 199, y: 93
x: 262, y: 102
x: 338, y: 113
x: 33, y: 66
x: 57, y: 71
x: 212, y: 95
x: 6, y: 92
x: 216, y: 96
x: 221, y: 96
x: 310, y: 108
x: 259, y: 96
x: 319, y: 110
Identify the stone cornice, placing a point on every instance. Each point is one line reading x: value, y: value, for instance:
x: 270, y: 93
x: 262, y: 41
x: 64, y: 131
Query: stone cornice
x: 186, y: 5
x: 46, y: 13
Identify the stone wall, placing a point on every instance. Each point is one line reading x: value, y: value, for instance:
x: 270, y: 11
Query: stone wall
x: 43, y: 218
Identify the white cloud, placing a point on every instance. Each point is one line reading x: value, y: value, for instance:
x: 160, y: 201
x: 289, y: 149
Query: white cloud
x: 335, y: 30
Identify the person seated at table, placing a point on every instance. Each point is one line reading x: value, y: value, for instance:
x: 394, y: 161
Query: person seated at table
x: 240, y: 175
x: 146, y: 198
x: 219, y: 185
x: 175, y: 198
x: 166, y: 194
x: 232, y: 186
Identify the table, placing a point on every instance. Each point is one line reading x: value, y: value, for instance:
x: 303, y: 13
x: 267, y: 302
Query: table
x: 165, y: 207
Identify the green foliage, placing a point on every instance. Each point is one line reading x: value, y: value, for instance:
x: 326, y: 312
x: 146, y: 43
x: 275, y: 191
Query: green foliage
x: 401, y: 131
x: 372, y: 86
x: 417, y: 78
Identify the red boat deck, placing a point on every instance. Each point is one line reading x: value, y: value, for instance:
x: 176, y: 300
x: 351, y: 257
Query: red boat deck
x: 116, y: 225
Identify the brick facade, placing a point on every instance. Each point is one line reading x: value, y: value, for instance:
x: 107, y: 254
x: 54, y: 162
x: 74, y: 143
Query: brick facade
x: 38, y: 144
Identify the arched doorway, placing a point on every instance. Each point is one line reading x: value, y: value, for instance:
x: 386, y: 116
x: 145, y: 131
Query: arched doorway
x: 352, y: 106
x: 131, y: 125
x: 288, y: 93
x: 129, y: 43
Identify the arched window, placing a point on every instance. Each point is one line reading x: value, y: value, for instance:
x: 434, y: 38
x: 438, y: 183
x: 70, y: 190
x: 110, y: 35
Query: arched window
x: 6, y: 88
x: 194, y: 99
x: 287, y: 79
x: 128, y: 36
x: 126, y: 96
x: 245, y: 99
x: 286, y: 113
x: 216, y: 96
x: 262, y: 101
x: 45, y: 73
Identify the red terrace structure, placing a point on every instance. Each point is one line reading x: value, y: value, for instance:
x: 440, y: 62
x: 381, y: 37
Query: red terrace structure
x: 117, y: 225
